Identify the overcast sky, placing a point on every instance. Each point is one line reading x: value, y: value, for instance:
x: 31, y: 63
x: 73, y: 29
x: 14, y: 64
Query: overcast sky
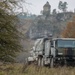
x: 35, y: 6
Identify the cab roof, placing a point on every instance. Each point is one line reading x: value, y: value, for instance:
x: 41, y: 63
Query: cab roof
x: 63, y: 39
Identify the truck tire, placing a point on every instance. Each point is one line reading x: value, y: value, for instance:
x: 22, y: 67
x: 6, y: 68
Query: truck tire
x: 39, y: 61
x: 42, y: 61
x: 52, y: 62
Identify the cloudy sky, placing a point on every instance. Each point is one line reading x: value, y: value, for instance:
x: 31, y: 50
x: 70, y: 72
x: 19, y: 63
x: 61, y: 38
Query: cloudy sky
x: 35, y: 6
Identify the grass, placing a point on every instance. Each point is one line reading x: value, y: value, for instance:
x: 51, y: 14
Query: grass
x: 21, y: 69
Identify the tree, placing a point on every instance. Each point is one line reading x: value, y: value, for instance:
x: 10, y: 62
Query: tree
x: 9, y: 5
x: 9, y: 35
x: 54, y: 12
x: 62, y: 6
x: 69, y: 32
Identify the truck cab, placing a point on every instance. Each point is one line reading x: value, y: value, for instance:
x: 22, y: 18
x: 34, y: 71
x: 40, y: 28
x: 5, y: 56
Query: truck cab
x: 65, y: 51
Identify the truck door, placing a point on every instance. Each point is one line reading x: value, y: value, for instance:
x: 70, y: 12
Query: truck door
x: 47, y: 48
x: 53, y: 52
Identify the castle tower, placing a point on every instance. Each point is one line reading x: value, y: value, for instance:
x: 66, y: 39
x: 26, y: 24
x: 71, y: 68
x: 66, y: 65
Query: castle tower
x: 46, y: 9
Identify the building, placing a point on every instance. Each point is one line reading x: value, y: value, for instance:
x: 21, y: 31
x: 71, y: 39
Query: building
x: 47, y: 9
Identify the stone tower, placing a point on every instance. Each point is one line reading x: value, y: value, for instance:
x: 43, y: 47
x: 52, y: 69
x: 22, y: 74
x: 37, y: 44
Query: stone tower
x: 46, y: 9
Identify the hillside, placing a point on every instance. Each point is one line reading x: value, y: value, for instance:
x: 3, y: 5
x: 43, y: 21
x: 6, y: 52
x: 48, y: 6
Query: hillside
x: 53, y: 24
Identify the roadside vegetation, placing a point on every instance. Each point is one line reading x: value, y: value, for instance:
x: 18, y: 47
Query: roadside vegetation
x: 21, y: 69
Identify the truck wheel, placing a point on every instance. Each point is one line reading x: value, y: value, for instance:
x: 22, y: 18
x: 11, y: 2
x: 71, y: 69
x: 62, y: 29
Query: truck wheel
x: 52, y: 63
x: 42, y: 62
x: 39, y: 61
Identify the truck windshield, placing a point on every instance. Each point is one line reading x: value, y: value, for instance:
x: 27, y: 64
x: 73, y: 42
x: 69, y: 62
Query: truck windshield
x: 66, y: 43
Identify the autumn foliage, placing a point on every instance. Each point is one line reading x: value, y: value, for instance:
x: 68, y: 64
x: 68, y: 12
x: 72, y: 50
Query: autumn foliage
x: 69, y: 32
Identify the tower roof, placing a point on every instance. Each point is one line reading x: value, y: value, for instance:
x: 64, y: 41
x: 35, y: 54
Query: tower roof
x: 47, y: 4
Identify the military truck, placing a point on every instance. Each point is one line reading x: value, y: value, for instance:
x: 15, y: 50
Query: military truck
x: 54, y: 51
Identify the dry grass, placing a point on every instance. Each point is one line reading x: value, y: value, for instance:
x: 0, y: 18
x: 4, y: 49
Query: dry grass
x: 21, y: 69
